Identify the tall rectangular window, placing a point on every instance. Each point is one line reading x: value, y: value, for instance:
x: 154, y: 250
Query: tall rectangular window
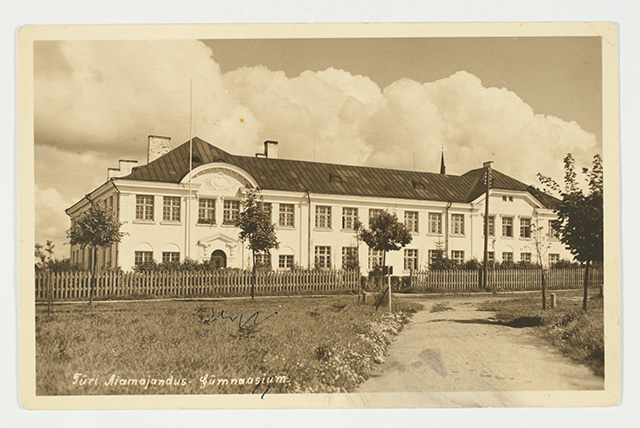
x: 457, y: 256
x: 491, y: 256
x: 374, y: 212
x: 231, y: 211
x: 170, y: 256
x: 207, y: 211
x: 375, y: 259
x: 349, y: 217
x: 410, y: 259
x: 435, y: 223
x: 553, y: 259
x: 349, y: 257
x: 492, y: 225
x: 285, y: 217
x: 171, y: 208
x: 411, y: 221
x: 142, y: 257
x: 285, y: 261
x: 525, y: 257
x: 457, y: 224
x: 269, y: 207
x: 507, y: 226
x: 552, y: 232
x: 433, y: 254
x: 323, y: 217
x: 144, y: 207
x: 525, y: 228
x: 323, y: 257
x: 507, y: 257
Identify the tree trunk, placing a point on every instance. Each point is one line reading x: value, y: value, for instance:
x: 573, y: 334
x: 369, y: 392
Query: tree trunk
x: 253, y: 275
x: 93, y: 276
x: 544, y: 291
x: 586, y: 284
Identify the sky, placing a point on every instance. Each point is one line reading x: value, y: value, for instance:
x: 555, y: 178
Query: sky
x: 522, y: 102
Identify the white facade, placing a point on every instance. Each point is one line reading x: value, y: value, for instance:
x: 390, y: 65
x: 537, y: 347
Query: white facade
x: 169, y: 221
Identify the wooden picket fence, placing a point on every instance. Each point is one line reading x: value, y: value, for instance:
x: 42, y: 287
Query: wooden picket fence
x: 503, y: 279
x: 124, y: 285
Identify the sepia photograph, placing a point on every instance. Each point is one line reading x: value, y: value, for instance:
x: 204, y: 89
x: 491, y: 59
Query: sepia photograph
x: 319, y: 216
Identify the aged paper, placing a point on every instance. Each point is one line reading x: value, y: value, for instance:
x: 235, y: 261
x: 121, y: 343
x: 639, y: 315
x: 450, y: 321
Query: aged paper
x: 402, y: 96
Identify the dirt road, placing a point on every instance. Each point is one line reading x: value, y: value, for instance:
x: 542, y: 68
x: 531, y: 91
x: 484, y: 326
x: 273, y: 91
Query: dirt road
x: 462, y: 349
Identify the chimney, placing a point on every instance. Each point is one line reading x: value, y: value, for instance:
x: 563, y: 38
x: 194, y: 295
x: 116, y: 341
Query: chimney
x: 487, y: 164
x: 271, y: 149
x: 157, y: 146
x: 124, y: 168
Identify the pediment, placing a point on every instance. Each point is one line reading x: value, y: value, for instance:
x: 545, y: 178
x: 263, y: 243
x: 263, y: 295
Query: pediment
x: 218, y: 237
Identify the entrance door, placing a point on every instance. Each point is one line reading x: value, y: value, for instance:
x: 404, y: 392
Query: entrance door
x: 218, y: 259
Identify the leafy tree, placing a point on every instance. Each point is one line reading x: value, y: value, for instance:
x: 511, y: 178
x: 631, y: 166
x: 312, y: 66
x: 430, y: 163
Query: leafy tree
x: 256, y: 228
x: 98, y: 227
x: 580, y: 214
x: 386, y: 233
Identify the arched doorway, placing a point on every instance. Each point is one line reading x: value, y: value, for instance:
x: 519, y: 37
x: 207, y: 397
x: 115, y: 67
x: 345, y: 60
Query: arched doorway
x: 218, y: 259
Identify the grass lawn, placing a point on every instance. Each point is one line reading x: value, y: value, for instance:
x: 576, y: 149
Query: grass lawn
x: 577, y: 334
x: 301, y: 344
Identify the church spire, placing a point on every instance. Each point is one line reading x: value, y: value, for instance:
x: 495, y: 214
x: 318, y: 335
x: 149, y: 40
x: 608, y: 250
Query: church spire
x: 442, y: 167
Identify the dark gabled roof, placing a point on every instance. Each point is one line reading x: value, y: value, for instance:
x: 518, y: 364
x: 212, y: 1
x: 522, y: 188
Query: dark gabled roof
x: 318, y: 177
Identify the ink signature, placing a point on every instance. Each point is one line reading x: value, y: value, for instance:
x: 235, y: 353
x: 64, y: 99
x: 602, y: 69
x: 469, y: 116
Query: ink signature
x: 241, y: 324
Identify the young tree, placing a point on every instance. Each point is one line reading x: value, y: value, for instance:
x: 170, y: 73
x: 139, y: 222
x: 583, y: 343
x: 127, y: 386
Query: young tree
x: 580, y: 214
x: 97, y: 227
x: 256, y: 228
x: 385, y: 233
x: 542, y: 245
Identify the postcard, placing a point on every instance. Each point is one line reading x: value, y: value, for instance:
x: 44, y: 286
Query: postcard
x: 319, y: 216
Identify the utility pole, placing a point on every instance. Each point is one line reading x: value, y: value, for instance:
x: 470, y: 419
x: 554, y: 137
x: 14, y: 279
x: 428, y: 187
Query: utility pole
x: 487, y: 181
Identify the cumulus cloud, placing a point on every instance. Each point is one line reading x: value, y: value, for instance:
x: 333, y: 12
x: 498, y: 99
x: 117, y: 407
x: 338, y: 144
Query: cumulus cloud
x: 96, y: 102
x: 51, y: 222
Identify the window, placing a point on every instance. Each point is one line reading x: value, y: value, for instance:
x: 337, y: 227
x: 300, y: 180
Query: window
x: 552, y: 232
x: 269, y: 207
x: 435, y: 223
x: 349, y: 217
x: 553, y: 259
x: 457, y: 224
x: 507, y: 257
x: 143, y: 257
x: 525, y: 257
x: 375, y: 259
x: 323, y: 217
x: 492, y: 225
x: 144, y: 207
x: 507, y: 198
x: 457, y: 256
x: 349, y: 257
x: 373, y: 212
x: 171, y: 208
x: 263, y: 259
x: 207, y: 211
x: 286, y: 215
x: 410, y: 259
x: 231, y: 212
x: 491, y: 256
x: 525, y: 228
x: 285, y: 262
x: 170, y: 256
x: 411, y: 221
x: 323, y: 257
x: 507, y: 226
x: 433, y: 255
